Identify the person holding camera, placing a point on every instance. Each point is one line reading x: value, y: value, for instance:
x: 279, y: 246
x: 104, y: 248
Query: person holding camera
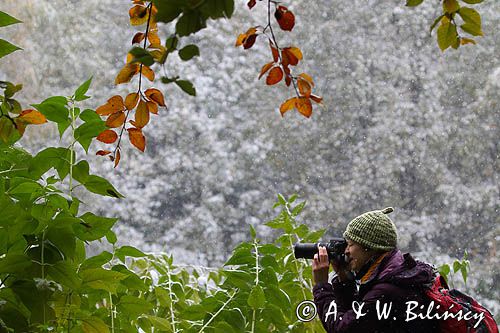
x: 375, y: 282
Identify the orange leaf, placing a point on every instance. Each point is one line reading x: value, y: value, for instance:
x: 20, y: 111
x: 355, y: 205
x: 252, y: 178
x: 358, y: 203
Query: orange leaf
x: 115, y: 120
x: 247, y: 39
x: 117, y: 158
x: 152, y: 107
x: 154, y: 39
x: 307, y: 78
x: 141, y: 115
x: 304, y: 87
x: 20, y: 125
x: 291, y: 55
x: 274, y: 51
x: 315, y: 98
x: 287, y: 105
x: 275, y: 76
x: 127, y: 73
x: 148, y: 73
x: 32, y: 117
x: 138, y: 15
x: 103, y: 152
x: 137, y: 138
x: 155, y: 95
x: 288, y: 81
x: 241, y: 38
x: 285, y: 18
x: 107, y: 136
x: 138, y: 37
x: 116, y: 103
x: 131, y: 100
x: 304, y: 106
x: 104, y: 110
x: 265, y: 68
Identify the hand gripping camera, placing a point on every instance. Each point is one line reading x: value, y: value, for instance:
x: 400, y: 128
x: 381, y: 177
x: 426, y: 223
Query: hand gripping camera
x: 335, y: 249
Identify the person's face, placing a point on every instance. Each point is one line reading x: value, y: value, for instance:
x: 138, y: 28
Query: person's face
x: 356, y: 256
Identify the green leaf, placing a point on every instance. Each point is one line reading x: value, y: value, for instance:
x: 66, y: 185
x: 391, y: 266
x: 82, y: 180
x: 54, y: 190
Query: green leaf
x: 436, y: 21
x: 95, y: 227
x: 89, y: 130
x: 111, y: 237
x: 186, y: 86
x: 7, y: 48
x: 81, y: 171
x: 241, y: 256
x: 88, y: 115
x: 446, y: 35
x: 444, y: 270
x: 134, y: 306
x: 6, y: 19
x: 463, y: 270
x: 14, y: 263
x: 161, y: 324
x: 128, y: 251
x: 171, y: 43
x: 63, y: 237
x: 472, y: 21
x: 456, y: 266
x: 256, y: 299
x: 142, y: 56
x: 26, y: 187
x: 53, y: 111
x: 94, y: 325
x: 97, y: 261
x: 413, y: 3
x: 253, y: 233
x: 56, y: 100
x: 472, y: 2
x: 101, y: 186
x: 65, y: 273
x: 188, y: 52
x: 57, y: 158
x: 82, y: 90
x: 228, y: 8
x: 11, y: 89
x: 99, y: 278
x: 168, y: 10
x: 190, y: 22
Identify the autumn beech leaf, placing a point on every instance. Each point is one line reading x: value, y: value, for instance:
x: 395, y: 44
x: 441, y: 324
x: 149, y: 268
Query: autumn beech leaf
x: 115, y: 120
x: 251, y: 4
x: 138, y: 37
x: 316, y: 99
x: 307, y: 78
x: 152, y: 107
x: 103, y: 152
x: 107, y: 136
x: 32, y: 117
x: 117, y: 158
x: 274, y: 51
x: 465, y: 41
x: 304, y: 87
x: 288, y: 105
x: 131, y: 100
x: 136, y: 138
x: 154, y: 39
x: 141, y: 115
x: 291, y: 55
x: 265, y: 68
x: 138, y: 15
x: 155, y: 95
x: 285, y: 18
x: 275, y: 76
x: 113, y: 105
x: 127, y: 73
x: 247, y: 39
x: 304, y: 106
x: 148, y: 73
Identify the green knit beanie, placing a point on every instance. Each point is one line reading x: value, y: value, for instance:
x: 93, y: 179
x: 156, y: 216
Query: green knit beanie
x: 373, y: 230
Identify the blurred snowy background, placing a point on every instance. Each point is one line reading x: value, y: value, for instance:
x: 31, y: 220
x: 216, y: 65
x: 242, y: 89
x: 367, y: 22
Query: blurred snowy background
x: 404, y: 125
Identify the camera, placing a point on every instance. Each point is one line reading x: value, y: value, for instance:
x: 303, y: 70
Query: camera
x: 335, y: 249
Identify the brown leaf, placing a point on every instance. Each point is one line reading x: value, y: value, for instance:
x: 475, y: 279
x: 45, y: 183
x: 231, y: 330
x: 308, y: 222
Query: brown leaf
x: 249, y: 41
x: 141, y: 115
x: 117, y: 158
x: 265, y: 68
x: 131, y: 100
x: 116, y: 103
x: 304, y: 87
x: 127, y: 73
x: 285, y: 18
x: 275, y: 76
x: 154, y: 39
x: 103, y: 152
x: 152, y: 107
x: 148, y: 73
x: 274, y: 51
x: 304, y: 106
x: 107, y: 136
x: 138, y: 37
x: 137, y: 138
x: 307, y: 78
x: 288, y: 80
x: 291, y: 56
x: 138, y: 15
x: 315, y: 98
x: 115, y: 120
x: 155, y: 95
x: 32, y: 117
x: 288, y: 105
x: 251, y: 4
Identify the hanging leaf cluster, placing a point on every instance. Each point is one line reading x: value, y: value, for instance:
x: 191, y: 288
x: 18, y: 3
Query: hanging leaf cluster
x: 283, y: 58
x: 454, y: 15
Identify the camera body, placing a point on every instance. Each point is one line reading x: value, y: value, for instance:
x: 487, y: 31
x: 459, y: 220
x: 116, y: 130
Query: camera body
x: 335, y: 249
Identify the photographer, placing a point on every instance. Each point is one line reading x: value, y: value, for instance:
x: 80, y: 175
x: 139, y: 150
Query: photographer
x: 374, y: 270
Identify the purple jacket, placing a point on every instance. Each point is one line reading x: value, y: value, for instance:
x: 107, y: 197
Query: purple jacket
x: 398, y: 279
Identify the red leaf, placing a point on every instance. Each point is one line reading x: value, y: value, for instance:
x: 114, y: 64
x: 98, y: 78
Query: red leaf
x: 138, y: 37
x: 274, y: 52
x: 275, y: 76
x: 265, y: 68
x: 117, y: 158
x: 137, y: 138
x: 103, y: 152
x: 249, y: 41
x: 107, y: 136
x: 251, y: 3
x: 285, y: 18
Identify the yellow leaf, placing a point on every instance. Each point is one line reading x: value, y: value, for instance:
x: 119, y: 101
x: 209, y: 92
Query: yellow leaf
x: 287, y: 105
x: 450, y: 6
x: 131, y: 100
x: 141, y: 115
x: 304, y: 106
x: 307, y: 78
x: 465, y: 41
x: 127, y: 73
x: 138, y: 15
x: 148, y: 73
x: 304, y: 87
x: 32, y: 117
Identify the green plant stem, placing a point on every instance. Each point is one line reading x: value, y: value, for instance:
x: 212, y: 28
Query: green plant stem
x: 172, y: 314
x: 72, y: 146
x: 254, y: 312
x: 112, y: 313
x: 218, y: 311
x: 42, y: 259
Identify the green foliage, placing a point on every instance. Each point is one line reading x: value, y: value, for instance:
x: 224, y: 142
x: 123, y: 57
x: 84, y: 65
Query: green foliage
x: 6, y: 47
x: 449, y: 270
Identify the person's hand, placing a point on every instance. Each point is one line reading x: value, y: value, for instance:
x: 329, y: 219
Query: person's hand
x: 320, y: 265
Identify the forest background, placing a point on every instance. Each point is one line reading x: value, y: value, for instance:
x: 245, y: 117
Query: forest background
x: 404, y: 125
